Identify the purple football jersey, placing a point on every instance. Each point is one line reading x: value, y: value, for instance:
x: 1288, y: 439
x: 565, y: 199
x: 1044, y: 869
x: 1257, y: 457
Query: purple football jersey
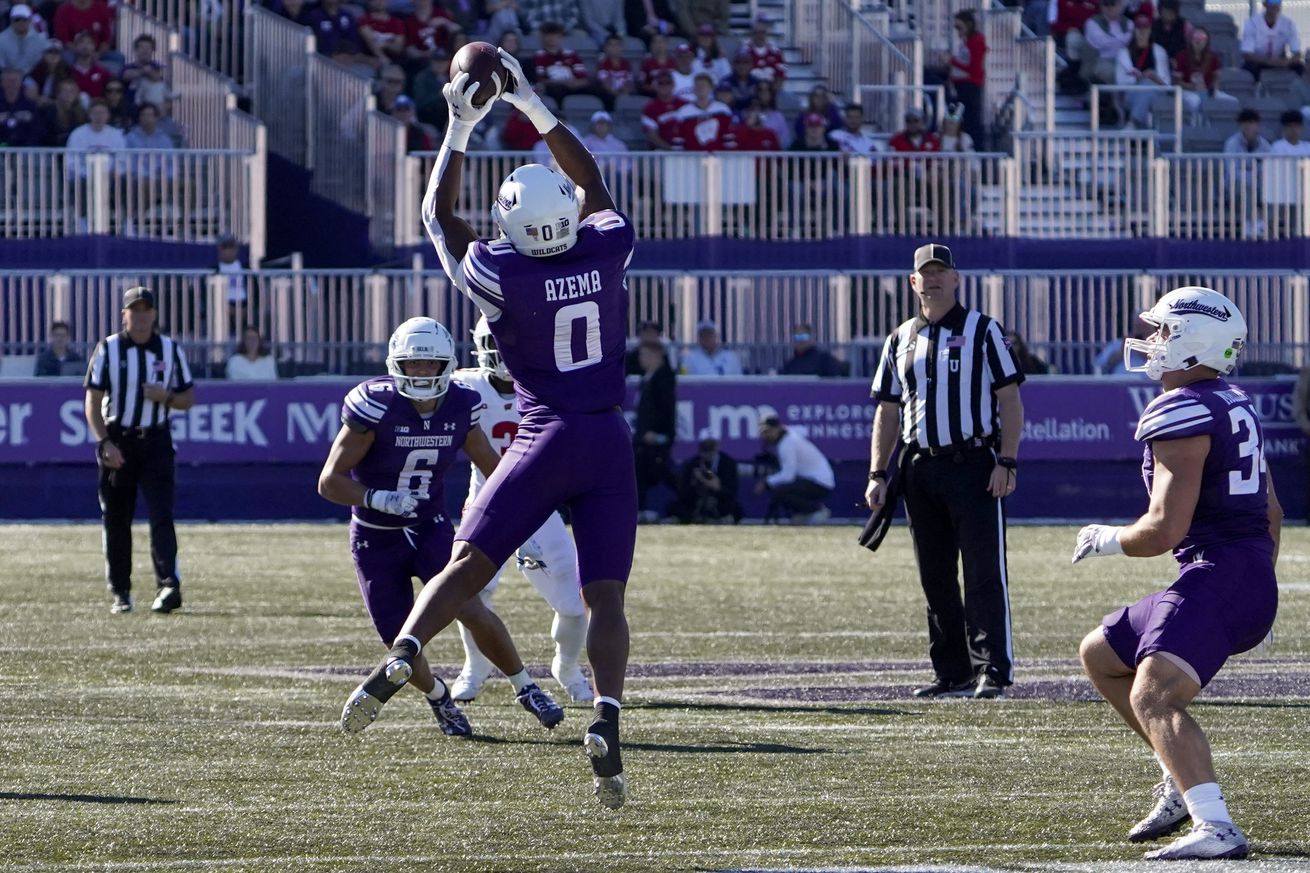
x: 410, y: 452
x: 1233, y: 503
x: 560, y: 322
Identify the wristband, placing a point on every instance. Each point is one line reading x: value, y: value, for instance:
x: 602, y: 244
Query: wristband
x: 1007, y: 463
x: 368, y: 497
x: 457, y: 135
x: 877, y: 475
x: 542, y: 118
x: 100, y: 447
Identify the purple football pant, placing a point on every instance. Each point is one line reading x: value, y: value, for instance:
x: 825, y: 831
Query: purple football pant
x: 386, y: 562
x: 1219, y: 606
x: 579, y: 460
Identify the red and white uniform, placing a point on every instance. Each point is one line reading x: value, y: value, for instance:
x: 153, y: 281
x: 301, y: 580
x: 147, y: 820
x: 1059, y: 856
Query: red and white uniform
x: 615, y: 74
x: 651, y: 66
x: 560, y: 65
x: 767, y: 62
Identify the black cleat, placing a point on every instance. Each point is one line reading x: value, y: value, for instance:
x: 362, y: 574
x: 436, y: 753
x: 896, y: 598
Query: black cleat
x: 610, y: 785
x: 365, y: 702
x: 946, y: 688
x: 122, y: 603
x: 988, y: 688
x: 168, y: 599
x: 540, y: 704
x: 450, y: 718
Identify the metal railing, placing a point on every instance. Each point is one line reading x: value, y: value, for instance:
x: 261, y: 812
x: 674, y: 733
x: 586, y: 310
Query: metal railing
x: 201, y: 102
x: 1175, y: 112
x: 210, y: 30
x: 1074, y: 185
x: 339, y: 320
x: 340, y: 100
x: 885, y: 105
x: 1238, y: 196
x: 1018, y: 62
x: 277, y: 69
x: 390, y: 206
x: 848, y: 48
x: 132, y: 22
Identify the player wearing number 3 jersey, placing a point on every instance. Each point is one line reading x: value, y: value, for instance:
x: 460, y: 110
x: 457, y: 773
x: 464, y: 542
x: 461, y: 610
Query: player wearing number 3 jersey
x: 1213, y: 504
x: 553, y: 290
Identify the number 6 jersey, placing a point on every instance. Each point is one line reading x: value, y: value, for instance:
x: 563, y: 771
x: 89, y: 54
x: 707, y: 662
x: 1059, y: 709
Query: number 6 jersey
x: 1233, y: 503
x: 560, y: 322
x: 410, y: 452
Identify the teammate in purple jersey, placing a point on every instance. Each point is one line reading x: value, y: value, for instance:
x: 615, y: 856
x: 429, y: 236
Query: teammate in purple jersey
x: 399, y: 435
x: 1213, y: 503
x: 553, y: 291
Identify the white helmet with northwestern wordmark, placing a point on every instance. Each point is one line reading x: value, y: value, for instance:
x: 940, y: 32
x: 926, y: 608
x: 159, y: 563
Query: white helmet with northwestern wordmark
x: 421, y: 339
x: 537, y: 210
x: 1195, y: 327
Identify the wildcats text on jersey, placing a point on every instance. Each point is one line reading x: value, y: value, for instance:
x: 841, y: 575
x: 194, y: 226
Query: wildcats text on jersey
x: 568, y: 287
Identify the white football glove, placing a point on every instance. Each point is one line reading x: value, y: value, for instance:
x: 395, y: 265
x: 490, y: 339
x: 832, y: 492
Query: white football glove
x: 459, y: 93
x: 402, y: 503
x: 519, y: 94
x: 1097, y: 540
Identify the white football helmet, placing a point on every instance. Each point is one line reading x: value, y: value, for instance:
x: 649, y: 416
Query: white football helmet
x: 537, y: 210
x: 421, y: 339
x: 1203, y: 329
x: 488, y: 356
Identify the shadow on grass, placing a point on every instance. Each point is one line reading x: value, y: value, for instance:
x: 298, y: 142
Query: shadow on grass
x: 1256, y: 704
x: 676, y: 748
x: 79, y: 798
x: 752, y: 707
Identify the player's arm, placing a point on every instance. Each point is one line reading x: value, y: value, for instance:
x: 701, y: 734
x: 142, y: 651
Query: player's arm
x: 480, y: 452
x: 886, y: 427
x: 450, y: 234
x: 572, y: 156
x: 348, y: 450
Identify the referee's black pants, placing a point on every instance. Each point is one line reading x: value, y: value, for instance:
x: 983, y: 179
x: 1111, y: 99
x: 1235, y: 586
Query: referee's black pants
x: 951, y: 516
x: 147, y: 464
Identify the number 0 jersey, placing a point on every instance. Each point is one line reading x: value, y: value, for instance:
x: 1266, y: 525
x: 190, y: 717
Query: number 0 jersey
x: 560, y: 322
x: 1234, y: 497
x: 497, y: 417
x: 410, y: 452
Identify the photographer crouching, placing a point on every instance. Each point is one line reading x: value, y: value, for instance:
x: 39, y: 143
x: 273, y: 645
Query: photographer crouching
x: 707, y: 487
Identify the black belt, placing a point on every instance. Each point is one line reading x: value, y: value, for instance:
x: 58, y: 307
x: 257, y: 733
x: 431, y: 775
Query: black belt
x: 117, y: 430
x: 954, y: 448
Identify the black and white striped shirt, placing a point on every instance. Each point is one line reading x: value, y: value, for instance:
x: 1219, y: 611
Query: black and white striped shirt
x: 120, y: 367
x: 945, y: 377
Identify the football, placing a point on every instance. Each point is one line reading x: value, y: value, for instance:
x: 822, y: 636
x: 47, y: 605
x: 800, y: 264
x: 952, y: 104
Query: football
x: 480, y: 61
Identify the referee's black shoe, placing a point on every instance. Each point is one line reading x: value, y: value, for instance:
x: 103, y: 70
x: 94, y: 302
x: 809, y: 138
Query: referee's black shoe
x: 946, y: 688
x: 169, y: 599
x: 988, y: 688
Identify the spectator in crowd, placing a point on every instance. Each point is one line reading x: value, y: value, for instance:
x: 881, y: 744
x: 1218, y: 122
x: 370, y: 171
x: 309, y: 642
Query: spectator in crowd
x: 659, y: 117
x: 1280, y: 173
x: 967, y: 71
x: 146, y: 134
x: 603, y: 19
x: 600, y: 140
x: 1110, y: 362
x: 520, y: 134
x: 536, y: 14
x: 694, y: 16
x: 428, y: 29
x: 1029, y: 364
x: 49, y: 72
x: 708, y: 487
x: 383, y: 33
x: 1071, y: 17
x: 709, y: 55
x: 252, y: 362
x: 808, y: 359
x: 956, y: 189
x: 657, y: 61
x: 1246, y: 140
x: 766, y: 94
x: 1198, y: 66
x: 292, y: 9
x: 614, y: 71
x: 121, y: 110
x: 708, y: 357
x: 813, y: 136
x: 389, y: 86
x: 20, y: 117
x: 64, y: 115
x: 850, y: 138
x: 702, y: 103
x: 59, y: 358
x: 95, y: 136
x: 235, y: 294
x: 819, y: 103
x: 1243, y: 175
x: 752, y: 134
x: 501, y: 16
x: 143, y: 55
x: 428, y: 99
x: 20, y: 45
x: 1169, y: 30
x: 151, y: 87
x: 954, y: 138
x: 1291, y: 142
x: 417, y: 139
x: 656, y: 424
x: 1104, y: 35
x: 560, y: 71
x: 336, y: 34
x: 766, y: 56
x: 684, y: 71
x: 75, y: 17
x: 1142, y: 62
x: 914, y: 137
x: 804, y: 478
x: 647, y: 332
x: 1270, y: 41
x: 91, y: 78
x: 741, y: 81
x: 649, y: 18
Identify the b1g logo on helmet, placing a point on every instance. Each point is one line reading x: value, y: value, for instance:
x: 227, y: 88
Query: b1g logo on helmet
x: 1184, y: 307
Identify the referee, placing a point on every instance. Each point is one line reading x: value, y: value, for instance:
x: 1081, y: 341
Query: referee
x: 135, y: 377
x: 948, y: 386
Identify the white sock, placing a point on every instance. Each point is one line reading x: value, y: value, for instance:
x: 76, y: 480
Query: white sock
x: 520, y: 680
x: 475, y: 663
x: 1168, y: 777
x: 439, y: 689
x: 1206, y: 804
x: 569, y: 633
x: 610, y: 700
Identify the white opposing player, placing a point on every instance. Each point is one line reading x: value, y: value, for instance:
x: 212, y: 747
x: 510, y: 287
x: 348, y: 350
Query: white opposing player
x: 548, y: 559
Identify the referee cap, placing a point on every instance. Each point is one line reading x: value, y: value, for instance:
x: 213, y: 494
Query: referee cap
x: 933, y: 252
x: 139, y: 294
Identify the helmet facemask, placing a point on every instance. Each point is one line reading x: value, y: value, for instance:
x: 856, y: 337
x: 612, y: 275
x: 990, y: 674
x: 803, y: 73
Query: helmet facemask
x: 421, y: 339
x: 487, y: 354
x: 1194, y: 327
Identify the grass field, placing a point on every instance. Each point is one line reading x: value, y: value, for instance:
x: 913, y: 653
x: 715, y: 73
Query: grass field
x: 768, y: 727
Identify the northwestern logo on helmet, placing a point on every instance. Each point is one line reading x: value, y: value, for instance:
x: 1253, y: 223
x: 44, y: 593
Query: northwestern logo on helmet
x: 1220, y: 313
